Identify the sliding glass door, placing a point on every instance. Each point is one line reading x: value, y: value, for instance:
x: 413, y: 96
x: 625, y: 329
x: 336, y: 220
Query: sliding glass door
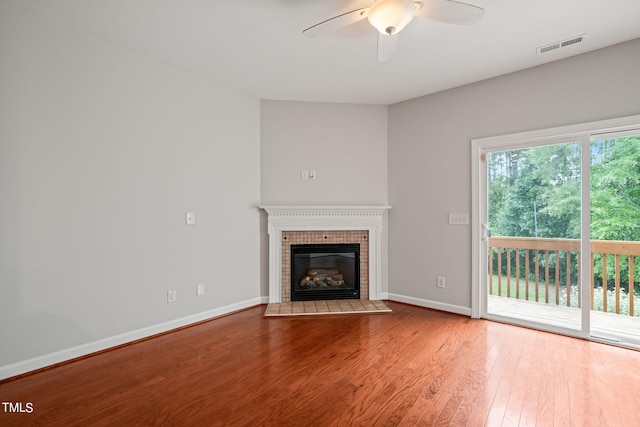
x: 556, y: 231
x: 534, y: 218
x: 615, y: 237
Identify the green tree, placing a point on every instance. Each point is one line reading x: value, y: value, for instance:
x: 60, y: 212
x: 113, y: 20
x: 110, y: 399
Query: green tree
x: 539, y: 191
x: 615, y: 197
x: 615, y: 189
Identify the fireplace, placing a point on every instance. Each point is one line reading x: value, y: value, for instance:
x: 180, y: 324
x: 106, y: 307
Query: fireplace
x: 325, y: 272
x: 293, y: 225
x: 332, y: 241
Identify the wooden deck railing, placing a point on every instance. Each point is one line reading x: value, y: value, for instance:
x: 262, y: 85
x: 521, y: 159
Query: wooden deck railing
x: 548, y: 270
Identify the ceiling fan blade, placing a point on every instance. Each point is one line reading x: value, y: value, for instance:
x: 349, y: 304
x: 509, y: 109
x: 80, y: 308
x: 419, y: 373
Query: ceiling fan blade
x: 386, y: 46
x: 336, y: 22
x: 450, y: 11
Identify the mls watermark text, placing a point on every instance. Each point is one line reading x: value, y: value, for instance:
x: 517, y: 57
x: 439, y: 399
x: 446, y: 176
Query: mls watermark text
x: 17, y: 407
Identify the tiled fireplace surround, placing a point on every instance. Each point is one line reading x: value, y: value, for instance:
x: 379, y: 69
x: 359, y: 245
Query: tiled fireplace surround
x: 324, y: 237
x: 289, y: 225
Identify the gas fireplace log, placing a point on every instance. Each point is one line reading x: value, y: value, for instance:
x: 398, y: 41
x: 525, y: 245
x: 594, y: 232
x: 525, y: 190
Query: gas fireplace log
x: 322, y: 279
x: 305, y: 282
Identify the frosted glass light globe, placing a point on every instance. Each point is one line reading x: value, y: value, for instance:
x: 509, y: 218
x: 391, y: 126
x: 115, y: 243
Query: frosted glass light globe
x: 391, y: 16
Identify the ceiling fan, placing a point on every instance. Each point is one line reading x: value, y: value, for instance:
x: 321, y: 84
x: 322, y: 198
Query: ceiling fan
x: 389, y: 17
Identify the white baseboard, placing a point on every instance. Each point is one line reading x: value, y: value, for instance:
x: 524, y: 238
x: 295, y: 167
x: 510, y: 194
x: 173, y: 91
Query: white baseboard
x: 466, y: 311
x: 22, y: 367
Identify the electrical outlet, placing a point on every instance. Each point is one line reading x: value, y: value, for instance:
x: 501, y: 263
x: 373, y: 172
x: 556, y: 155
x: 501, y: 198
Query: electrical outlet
x: 440, y: 281
x: 191, y: 218
x: 172, y: 295
x: 200, y: 289
x: 304, y: 175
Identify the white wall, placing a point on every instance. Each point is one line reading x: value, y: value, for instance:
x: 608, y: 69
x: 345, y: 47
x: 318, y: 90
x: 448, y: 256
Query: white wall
x: 430, y: 151
x: 346, y: 144
x: 102, y: 151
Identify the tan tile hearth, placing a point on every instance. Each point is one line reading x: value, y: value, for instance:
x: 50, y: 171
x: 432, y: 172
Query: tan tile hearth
x: 345, y: 306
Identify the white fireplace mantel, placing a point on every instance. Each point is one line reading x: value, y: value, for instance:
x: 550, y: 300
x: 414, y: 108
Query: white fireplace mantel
x: 320, y: 218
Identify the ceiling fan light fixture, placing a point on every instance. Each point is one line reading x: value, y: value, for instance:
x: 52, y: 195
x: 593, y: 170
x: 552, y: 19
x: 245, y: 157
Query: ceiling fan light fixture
x: 391, y: 16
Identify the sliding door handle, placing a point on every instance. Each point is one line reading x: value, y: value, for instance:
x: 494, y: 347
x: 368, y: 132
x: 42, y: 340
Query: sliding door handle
x: 486, y: 232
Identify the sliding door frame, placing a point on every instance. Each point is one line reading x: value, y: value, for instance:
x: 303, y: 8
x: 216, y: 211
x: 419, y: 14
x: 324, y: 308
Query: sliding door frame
x: 479, y: 149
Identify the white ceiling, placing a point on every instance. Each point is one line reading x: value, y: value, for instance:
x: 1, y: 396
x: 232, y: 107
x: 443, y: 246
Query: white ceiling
x: 257, y: 45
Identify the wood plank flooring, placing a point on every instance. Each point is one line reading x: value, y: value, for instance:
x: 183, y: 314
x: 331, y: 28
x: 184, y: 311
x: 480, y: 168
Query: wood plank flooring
x: 412, y: 367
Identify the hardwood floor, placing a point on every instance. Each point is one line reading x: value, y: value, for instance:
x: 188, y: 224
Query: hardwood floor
x: 412, y: 367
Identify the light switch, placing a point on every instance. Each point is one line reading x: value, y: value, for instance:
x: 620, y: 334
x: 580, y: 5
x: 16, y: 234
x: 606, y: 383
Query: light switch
x: 191, y: 218
x: 458, y: 219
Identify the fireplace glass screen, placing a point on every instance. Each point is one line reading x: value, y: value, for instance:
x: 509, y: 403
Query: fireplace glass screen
x: 325, y: 271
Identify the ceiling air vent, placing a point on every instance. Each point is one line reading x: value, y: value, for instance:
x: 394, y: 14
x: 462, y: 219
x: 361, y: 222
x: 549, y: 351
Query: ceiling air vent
x: 561, y: 44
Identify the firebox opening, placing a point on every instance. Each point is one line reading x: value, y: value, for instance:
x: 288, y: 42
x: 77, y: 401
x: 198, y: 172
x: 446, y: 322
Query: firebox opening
x: 325, y: 272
